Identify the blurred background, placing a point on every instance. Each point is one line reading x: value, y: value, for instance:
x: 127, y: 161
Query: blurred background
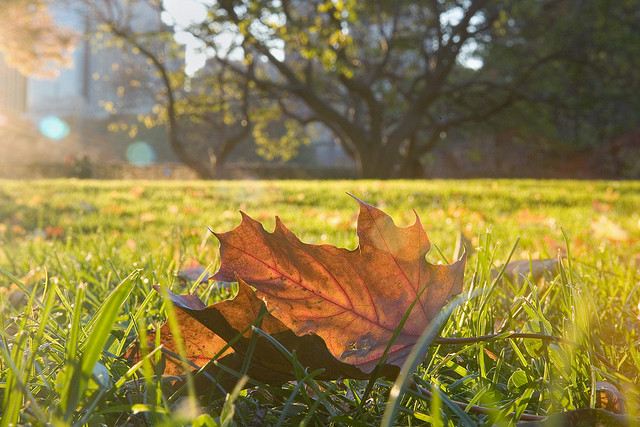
x: 230, y: 89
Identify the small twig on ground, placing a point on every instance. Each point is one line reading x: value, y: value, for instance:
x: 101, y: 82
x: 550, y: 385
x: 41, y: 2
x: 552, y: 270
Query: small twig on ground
x: 513, y: 336
x: 481, y: 409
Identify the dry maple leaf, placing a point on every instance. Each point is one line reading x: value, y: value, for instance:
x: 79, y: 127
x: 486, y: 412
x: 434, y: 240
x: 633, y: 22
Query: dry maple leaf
x: 336, y: 309
x: 353, y: 299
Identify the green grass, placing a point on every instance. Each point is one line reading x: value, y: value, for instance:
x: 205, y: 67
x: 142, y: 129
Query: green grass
x: 78, y: 259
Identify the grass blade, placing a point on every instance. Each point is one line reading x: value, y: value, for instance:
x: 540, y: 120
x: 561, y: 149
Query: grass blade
x: 414, y: 360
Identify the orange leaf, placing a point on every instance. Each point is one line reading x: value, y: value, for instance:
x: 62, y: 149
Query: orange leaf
x: 54, y: 232
x: 604, y: 228
x: 353, y: 300
x: 335, y: 309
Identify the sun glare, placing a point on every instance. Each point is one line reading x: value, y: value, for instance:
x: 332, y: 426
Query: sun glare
x: 141, y: 154
x: 54, y: 128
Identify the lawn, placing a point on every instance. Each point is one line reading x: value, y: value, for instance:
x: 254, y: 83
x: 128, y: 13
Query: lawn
x: 78, y: 260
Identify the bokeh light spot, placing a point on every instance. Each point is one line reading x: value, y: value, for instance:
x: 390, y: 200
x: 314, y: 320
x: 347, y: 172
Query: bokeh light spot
x: 140, y: 154
x: 54, y: 128
x: 4, y: 120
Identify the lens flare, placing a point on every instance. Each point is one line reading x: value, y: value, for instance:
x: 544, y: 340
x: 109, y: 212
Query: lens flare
x: 140, y: 154
x: 54, y: 128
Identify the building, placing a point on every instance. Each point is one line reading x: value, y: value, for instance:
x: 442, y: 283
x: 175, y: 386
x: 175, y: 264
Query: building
x: 89, y: 89
x: 48, y: 120
x: 13, y: 90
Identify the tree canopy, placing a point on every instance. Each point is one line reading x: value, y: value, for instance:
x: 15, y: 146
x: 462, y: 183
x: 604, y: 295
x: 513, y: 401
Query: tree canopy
x: 391, y: 80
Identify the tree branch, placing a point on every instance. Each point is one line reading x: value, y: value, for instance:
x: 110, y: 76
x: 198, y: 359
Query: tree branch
x: 176, y: 143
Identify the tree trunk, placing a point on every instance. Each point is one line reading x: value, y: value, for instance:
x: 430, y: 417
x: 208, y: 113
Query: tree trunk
x: 412, y: 169
x: 202, y: 169
x: 377, y: 161
x: 372, y: 171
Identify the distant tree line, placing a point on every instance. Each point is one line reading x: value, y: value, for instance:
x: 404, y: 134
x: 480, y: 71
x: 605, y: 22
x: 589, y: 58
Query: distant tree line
x: 392, y: 81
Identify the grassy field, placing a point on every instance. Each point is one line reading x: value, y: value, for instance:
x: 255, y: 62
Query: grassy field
x: 78, y: 259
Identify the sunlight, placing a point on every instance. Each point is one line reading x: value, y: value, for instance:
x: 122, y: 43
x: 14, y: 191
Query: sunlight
x: 181, y: 14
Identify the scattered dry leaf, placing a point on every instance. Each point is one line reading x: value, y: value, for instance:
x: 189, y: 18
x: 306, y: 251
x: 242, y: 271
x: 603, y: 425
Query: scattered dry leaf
x: 581, y: 417
x: 604, y: 228
x: 601, y: 207
x: 147, y: 217
x: 516, y: 271
x: 609, y: 397
x: 54, y: 232
x: 525, y: 216
x: 137, y: 191
x: 193, y: 271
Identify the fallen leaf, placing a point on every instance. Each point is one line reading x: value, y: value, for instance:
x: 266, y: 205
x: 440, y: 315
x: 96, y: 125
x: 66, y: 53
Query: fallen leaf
x: 131, y: 244
x: 611, y: 195
x: 56, y: 232
x: 516, y: 271
x: 456, y: 211
x: 137, y: 191
x: 525, y: 216
x: 147, y: 217
x: 353, y: 300
x: 554, y: 247
x: 36, y: 200
x: 581, y: 417
x: 336, y: 309
x: 115, y: 209
x: 601, y: 207
x: 190, y: 209
x: 604, y: 228
x: 193, y: 271
x: 18, y: 230
x: 609, y: 397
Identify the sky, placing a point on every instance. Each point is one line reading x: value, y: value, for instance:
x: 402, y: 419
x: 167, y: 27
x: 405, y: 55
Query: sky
x: 181, y: 13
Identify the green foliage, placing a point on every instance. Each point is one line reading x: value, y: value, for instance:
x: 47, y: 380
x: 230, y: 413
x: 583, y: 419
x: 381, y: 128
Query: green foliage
x: 583, y: 96
x: 390, y: 80
x: 78, y: 260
